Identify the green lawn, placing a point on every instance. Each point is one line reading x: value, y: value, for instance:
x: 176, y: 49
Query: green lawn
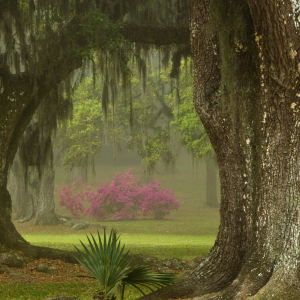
x: 163, y: 245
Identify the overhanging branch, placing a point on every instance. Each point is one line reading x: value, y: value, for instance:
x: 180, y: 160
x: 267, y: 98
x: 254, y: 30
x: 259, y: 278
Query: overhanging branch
x: 158, y: 35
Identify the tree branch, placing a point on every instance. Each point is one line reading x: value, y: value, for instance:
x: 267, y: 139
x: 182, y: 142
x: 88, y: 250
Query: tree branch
x: 157, y: 35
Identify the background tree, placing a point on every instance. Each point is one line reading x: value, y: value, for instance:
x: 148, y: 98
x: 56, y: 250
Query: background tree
x: 193, y: 135
x: 34, y: 166
x: 36, y: 63
x: 82, y: 139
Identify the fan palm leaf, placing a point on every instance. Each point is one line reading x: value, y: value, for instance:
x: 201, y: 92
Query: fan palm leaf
x: 106, y: 262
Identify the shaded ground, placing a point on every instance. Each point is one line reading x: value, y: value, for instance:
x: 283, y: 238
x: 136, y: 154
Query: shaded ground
x: 65, y: 272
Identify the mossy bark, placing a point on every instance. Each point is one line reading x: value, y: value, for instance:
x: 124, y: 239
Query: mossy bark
x: 19, y: 101
x: 10, y: 131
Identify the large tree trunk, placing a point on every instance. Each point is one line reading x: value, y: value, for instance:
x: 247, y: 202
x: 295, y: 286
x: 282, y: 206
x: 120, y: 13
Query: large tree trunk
x: 211, y: 183
x: 10, y: 238
x: 227, y: 256
x: 19, y: 100
x: 272, y: 269
x: 265, y: 174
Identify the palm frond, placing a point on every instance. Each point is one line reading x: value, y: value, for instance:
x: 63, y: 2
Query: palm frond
x: 106, y: 262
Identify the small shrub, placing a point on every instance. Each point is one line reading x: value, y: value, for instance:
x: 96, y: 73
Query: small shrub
x: 107, y: 263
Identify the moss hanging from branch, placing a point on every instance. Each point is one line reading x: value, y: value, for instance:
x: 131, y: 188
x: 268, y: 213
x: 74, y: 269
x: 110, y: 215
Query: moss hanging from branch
x: 47, y: 40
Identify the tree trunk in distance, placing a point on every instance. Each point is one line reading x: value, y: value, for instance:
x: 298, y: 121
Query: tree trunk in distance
x: 15, y: 116
x: 146, y: 177
x: 23, y: 198
x: 13, y: 190
x: 10, y: 238
x: 211, y: 184
x: 45, y: 214
x: 19, y: 99
x: 37, y: 200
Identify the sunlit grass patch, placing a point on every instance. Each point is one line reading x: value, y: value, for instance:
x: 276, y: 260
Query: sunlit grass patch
x: 161, y: 245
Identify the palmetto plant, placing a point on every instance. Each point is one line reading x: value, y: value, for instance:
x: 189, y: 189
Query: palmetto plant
x: 107, y: 263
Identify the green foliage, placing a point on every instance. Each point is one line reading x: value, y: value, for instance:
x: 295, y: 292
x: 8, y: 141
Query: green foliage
x: 82, y: 139
x: 157, y: 148
x: 149, y: 132
x: 154, y: 142
x: 193, y: 135
x: 89, y: 129
x: 99, y: 33
x: 107, y: 263
x: 186, y: 119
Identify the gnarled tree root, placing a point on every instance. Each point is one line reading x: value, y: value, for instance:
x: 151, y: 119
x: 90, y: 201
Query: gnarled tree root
x: 265, y: 282
x: 209, y: 276
x: 283, y: 284
x: 37, y: 252
x: 275, y: 289
x: 180, y: 289
x: 257, y: 280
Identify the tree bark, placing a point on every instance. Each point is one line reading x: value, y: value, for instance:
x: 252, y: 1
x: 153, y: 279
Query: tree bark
x: 228, y: 254
x: 45, y: 214
x: 155, y: 34
x: 22, y: 200
x: 10, y: 132
x: 36, y: 200
x: 272, y: 269
x: 211, y: 183
x: 19, y: 100
x: 268, y: 171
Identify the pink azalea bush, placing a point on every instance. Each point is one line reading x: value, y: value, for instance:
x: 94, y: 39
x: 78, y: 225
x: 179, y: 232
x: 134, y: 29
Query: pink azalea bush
x: 122, y: 199
x: 157, y: 200
x: 72, y: 203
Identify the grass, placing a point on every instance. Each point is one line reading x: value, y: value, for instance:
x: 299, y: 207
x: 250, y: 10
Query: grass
x: 162, y: 245
x: 186, y: 233
x: 49, y: 290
